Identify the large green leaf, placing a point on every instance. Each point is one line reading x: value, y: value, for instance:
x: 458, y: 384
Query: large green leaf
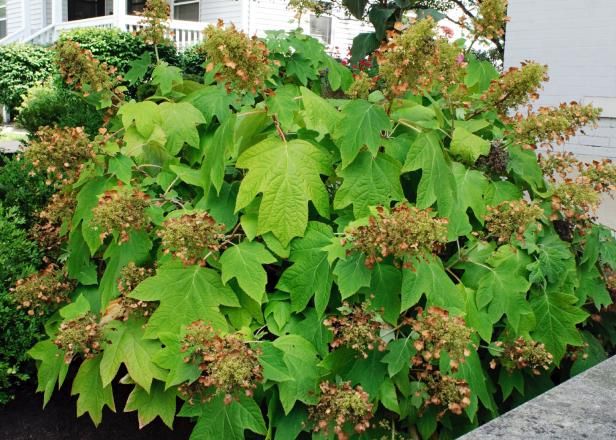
x: 244, y: 262
x: 212, y: 101
x: 438, y: 184
x: 428, y: 277
x: 310, y: 273
x: 180, y: 121
x: 468, y: 146
x: 352, y: 274
x: 385, y: 289
x: 171, y: 358
x: 125, y: 344
x: 218, y: 420
x: 288, y: 174
x: 472, y: 187
x: 318, y: 114
x: 284, y: 104
x: 369, y: 181
x: 186, y: 294
x: 553, y: 258
x: 557, y: 318
x: 157, y: 403
x: 356, y: 7
x: 361, y: 125
x: 145, y: 115
x: 301, y: 359
x: 51, y: 367
x: 93, y: 396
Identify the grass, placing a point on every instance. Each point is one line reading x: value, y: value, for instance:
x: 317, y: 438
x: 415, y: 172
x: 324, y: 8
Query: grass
x: 6, y: 135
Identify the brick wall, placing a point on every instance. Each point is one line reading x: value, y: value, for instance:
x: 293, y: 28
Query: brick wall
x: 577, y: 40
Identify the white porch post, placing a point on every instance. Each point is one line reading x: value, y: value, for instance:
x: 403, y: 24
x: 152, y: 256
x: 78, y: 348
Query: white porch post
x: 119, y: 12
x: 56, y: 12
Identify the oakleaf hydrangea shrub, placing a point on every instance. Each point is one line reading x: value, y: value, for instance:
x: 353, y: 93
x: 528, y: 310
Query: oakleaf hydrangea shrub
x: 275, y: 264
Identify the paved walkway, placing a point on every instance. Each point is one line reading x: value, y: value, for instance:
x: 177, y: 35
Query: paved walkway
x: 10, y: 145
x: 581, y: 408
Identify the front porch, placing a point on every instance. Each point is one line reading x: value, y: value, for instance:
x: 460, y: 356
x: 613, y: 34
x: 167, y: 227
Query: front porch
x: 65, y: 15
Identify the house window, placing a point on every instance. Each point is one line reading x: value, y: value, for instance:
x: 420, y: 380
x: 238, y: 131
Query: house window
x: 2, y: 18
x: 186, y: 10
x: 133, y: 6
x: 321, y: 28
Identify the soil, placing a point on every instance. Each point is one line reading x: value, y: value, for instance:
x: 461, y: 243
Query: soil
x: 25, y: 419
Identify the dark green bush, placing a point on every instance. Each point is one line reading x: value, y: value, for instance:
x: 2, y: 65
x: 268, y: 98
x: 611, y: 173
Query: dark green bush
x: 115, y: 47
x: 20, y: 190
x: 49, y: 105
x: 19, y: 256
x: 19, y: 333
x: 192, y: 61
x: 21, y: 67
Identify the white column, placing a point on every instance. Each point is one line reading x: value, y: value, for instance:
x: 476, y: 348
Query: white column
x: 119, y: 12
x: 56, y: 11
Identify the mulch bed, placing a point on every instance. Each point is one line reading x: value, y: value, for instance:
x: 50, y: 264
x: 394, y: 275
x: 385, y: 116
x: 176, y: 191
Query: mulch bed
x: 25, y: 419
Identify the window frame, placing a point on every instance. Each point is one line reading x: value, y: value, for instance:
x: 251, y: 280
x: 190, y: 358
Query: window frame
x: 3, y: 5
x: 180, y: 3
x: 330, y: 29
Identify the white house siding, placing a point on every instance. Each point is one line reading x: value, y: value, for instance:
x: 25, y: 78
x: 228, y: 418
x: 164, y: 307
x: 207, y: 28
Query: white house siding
x: 228, y: 10
x: 36, y: 8
x: 577, y: 40
x: 14, y: 21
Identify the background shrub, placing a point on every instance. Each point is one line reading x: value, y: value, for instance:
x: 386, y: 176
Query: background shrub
x: 20, y: 190
x: 115, y: 47
x: 49, y: 104
x: 19, y: 256
x: 192, y: 61
x: 21, y: 67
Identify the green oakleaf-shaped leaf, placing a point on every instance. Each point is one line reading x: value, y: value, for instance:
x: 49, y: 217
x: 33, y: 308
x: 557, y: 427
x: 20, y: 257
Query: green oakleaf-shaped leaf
x: 356, y: 7
x: 126, y: 345
x: 51, y: 367
x: 136, y: 250
x: 244, y: 262
x: 385, y: 286
x: 301, y: 359
x: 212, y: 101
x: 361, y: 125
x: 369, y: 182
x: 309, y: 275
x: 157, y: 403
x: 557, y: 318
x: 180, y: 121
x: 145, y: 115
x: 438, y: 184
x: 166, y: 76
x: 553, y: 258
x: 398, y: 356
x: 138, y: 68
x: 171, y: 358
x: 217, y: 420
x: 352, y: 274
x: 592, y: 286
x: 186, y: 294
x: 217, y: 150
x: 284, y: 104
x: 93, y: 396
x: 428, y: 277
x: 318, y: 114
x: 288, y: 174
x: 468, y: 146
x: 524, y: 166
x: 472, y: 187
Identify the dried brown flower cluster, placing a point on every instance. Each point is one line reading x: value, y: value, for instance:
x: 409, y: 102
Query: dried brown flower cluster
x: 81, y: 335
x: 191, y: 237
x: 130, y: 277
x: 522, y: 353
x: 403, y: 232
x: 361, y: 87
x: 515, y: 87
x: 243, y: 61
x: 575, y: 200
x: 419, y: 59
x: 600, y: 174
x: 609, y: 277
x: 121, y: 210
x: 512, y: 218
x: 552, y: 124
x: 155, y: 22
x: 357, y: 328
x: 81, y: 70
x: 228, y: 364
x: 342, y: 407
x: 43, y: 292
x: 436, y: 331
x: 55, y: 218
x: 491, y: 19
x: 60, y: 153
x: 448, y: 392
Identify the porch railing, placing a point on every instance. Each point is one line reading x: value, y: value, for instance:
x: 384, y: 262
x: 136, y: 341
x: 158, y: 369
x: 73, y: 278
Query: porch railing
x: 184, y: 34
